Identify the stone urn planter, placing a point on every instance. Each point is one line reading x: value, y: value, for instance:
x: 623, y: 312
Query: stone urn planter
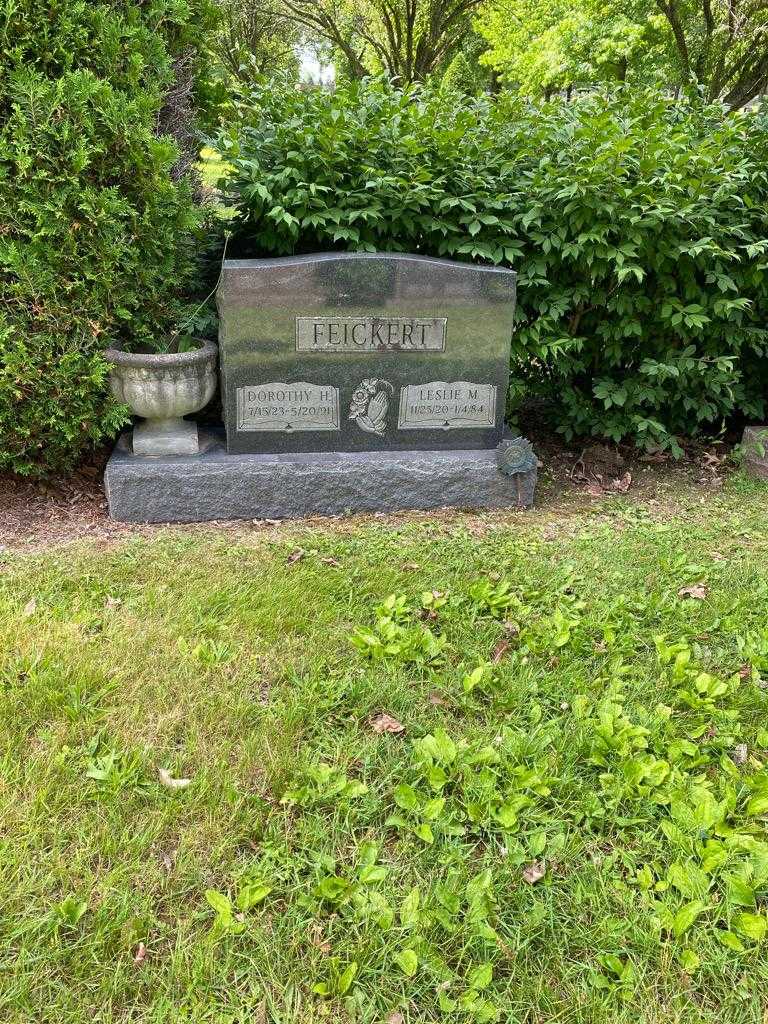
x: 163, y: 387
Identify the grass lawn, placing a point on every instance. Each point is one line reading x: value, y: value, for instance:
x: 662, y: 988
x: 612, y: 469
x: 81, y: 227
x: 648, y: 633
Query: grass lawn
x: 571, y: 826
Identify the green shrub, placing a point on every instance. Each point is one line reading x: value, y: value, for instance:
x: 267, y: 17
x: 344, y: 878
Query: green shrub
x: 637, y: 225
x: 96, y: 235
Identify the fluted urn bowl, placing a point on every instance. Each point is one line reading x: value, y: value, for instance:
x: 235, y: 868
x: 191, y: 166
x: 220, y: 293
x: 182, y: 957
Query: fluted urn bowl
x: 163, y: 387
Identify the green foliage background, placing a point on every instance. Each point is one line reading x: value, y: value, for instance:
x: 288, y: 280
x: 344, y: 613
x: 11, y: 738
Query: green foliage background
x: 637, y: 225
x: 96, y: 236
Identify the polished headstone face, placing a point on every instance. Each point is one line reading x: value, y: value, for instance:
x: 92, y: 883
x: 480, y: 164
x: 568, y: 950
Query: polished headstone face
x: 356, y: 352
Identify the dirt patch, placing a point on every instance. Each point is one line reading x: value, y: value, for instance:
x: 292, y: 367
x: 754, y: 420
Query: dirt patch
x: 40, y: 513
x: 36, y: 515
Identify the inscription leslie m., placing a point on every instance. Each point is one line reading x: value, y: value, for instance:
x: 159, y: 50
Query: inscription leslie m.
x: 447, y: 405
x: 288, y: 407
x: 370, y: 334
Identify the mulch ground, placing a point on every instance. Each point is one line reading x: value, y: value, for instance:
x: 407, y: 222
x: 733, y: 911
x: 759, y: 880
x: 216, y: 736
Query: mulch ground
x: 40, y: 514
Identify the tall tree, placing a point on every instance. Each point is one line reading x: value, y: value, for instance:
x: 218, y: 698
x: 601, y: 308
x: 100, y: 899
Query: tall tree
x: 253, y: 38
x: 406, y: 39
x: 543, y: 45
x: 721, y: 46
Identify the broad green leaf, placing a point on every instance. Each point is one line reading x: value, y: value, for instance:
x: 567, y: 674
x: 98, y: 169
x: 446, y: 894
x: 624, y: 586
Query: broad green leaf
x: 537, y: 843
x: 346, y: 978
x: 739, y: 892
x: 439, y: 746
x: 686, y: 917
x: 333, y: 888
x: 480, y: 977
x: 754, y: 926
x: 409, y: 909
x: 373, y: 873
x: 220, y: 903
x: 252, y: 894
x: 407, y: 961
x: 730, y: 940
x: 432, y: 808
x: 757, y: 806
x: 424, y: 832
x: 405, y: 797
x: 689, y: 960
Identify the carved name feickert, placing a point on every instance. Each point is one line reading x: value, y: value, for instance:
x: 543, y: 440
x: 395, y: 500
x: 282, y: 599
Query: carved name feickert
x: 370, y: 334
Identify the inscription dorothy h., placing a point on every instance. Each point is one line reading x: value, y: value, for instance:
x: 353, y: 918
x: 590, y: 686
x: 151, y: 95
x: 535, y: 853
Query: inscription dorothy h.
x: 288, y: 407
x: 370, y: 334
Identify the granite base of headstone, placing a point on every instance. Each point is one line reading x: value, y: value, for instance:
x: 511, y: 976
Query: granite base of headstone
x: 217, y: 485
x: 754, y: 448
x: 350, y: 383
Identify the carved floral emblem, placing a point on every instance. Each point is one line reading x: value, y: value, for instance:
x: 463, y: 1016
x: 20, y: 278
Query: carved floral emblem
x: 370, y: 405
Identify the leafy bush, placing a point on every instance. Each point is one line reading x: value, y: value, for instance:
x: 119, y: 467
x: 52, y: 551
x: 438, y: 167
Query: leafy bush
x: 96, y: 236
x: 637, y: 226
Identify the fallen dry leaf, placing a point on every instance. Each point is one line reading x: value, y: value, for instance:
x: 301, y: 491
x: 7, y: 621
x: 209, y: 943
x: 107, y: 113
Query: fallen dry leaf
x: 382, y: 722
x: 167, y: 780
x: 499, y: 651
x: 696, y: 591
x: 622, y: 483
x: 331, y: 561
x: 739, y: 754
x: 436, y: 699
x: 168, y: 859
x: 141, y: 953
x: 295, y: 556
x: 745, y: 671
x: 318, y: 939
x: 30, y: 607
x: 534, y: 872
x: 713, y: 459
x: 656, y: 457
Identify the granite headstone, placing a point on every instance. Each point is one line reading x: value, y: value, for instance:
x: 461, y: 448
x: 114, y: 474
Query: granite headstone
x: 363, y: 352
x: 350, y: 382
